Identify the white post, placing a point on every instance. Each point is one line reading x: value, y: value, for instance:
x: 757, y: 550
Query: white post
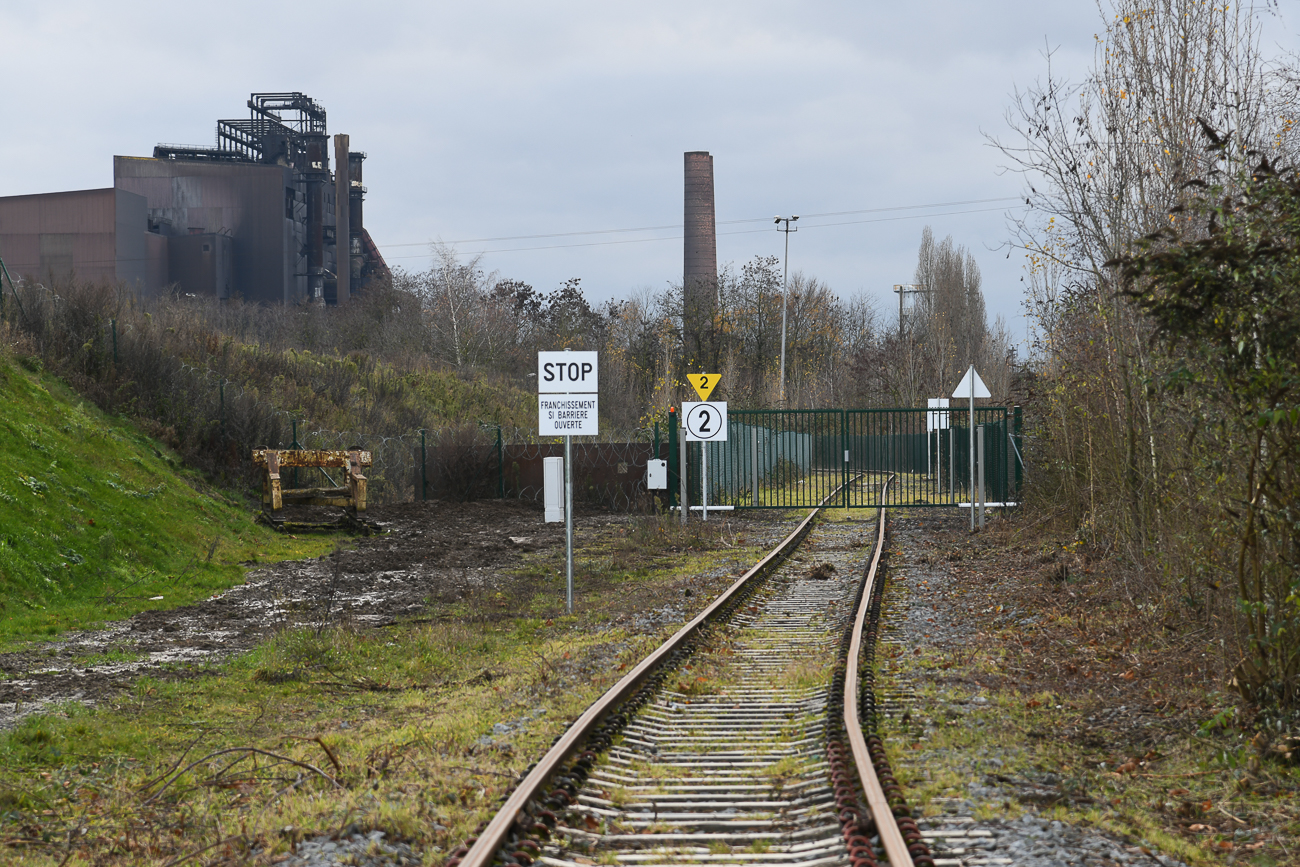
x: 754, y: 495
x: 568, y: 522
x: 938, y: 461
x: 929, y: 467
x: 981, y: 455
x: 704, y: 480
x: 681, y: 466
x: 971, y: 436
x: 952, y: 461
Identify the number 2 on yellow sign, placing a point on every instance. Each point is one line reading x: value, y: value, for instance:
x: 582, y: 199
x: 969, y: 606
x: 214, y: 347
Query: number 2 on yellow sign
x: 704, y: 383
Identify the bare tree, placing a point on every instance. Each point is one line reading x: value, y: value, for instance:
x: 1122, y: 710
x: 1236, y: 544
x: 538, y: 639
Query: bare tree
x: 946, y: 329
x: 1106, y: 162
x: 455, y: 294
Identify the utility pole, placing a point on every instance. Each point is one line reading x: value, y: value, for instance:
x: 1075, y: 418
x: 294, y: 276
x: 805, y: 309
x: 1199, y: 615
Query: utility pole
x: 906, y: 289
x: 785, y: 290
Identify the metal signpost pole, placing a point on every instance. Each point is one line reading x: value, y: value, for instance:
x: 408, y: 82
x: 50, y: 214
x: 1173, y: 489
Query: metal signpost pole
x: 975, y: 388
x: 568, y: 405
x: 971, y: 436
x: 705, y: 422
x: 568, y: 523
x: 704, y: 480
x: 938, y: 454
x: 685, y: 504
x: 785, y: 294
x: 981, y: 477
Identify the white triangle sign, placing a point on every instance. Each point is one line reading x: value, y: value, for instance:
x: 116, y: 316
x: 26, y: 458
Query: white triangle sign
x: 963, y: 387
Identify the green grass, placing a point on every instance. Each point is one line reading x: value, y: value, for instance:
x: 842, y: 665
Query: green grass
x: 97, y: 520
x: 401, y: 711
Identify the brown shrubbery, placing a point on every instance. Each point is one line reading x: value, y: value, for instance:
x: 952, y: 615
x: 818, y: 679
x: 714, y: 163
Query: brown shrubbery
x: 1140, y: 444
x: 214, y: 380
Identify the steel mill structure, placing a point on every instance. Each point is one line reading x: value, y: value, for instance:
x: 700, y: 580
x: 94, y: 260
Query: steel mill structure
x: 261, y: 216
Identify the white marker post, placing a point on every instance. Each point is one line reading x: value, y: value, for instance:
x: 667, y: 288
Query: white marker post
x: 971, y: 385
x: 936, y: 419
x: 705, y: 423
x: 568, y: 406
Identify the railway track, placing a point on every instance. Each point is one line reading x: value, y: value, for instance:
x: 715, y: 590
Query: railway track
x: 740, y: 740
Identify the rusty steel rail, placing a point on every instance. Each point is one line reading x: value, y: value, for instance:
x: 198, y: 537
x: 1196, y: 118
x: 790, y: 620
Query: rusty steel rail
x: 494, y: 836
x: 891, y: 838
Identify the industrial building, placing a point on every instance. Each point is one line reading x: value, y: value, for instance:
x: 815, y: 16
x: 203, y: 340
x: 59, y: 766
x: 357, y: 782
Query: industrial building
x: 256, y: 217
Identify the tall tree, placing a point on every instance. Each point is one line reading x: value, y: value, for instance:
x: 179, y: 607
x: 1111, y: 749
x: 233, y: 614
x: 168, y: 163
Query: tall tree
x: 1104, y: 161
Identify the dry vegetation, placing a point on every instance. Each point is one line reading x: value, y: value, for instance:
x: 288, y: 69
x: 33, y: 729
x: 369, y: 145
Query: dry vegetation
x: 1162, y: 249
x: 1051, y: 688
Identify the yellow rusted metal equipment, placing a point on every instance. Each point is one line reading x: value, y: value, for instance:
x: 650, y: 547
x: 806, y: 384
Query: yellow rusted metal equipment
x: 351, y: 496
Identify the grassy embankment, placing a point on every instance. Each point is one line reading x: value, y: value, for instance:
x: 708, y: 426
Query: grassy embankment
x: 395, y: 729
x: 414, y: 729
x: 98, y: 522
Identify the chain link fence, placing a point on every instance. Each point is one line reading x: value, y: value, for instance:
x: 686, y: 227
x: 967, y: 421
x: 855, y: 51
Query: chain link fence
x: 474, y: 462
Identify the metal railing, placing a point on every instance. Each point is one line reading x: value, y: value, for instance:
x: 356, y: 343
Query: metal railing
x: 781, y: 459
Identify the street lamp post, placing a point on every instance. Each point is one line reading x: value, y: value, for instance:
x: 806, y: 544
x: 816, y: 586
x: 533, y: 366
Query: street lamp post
x: 785, y: 290
x: 905, y: 289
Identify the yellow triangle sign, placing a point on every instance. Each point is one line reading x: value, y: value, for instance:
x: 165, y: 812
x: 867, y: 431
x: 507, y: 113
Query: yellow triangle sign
x: 704, y: 383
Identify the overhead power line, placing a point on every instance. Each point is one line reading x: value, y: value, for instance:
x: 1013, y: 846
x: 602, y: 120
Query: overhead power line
x: 679, y: 225
x: 728, y: 222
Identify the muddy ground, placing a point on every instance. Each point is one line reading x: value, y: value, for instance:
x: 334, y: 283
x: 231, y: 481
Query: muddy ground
x: 431, y: 551
x: 999, y: 613
x: 430, y: 555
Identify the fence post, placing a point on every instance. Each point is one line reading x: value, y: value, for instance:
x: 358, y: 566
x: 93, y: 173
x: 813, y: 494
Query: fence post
x: 296, y: 446
x: 1018, y: 443
x: 424, y: 469
x: 501, y: 467
x: 844, y: 444
x: 673, y: 468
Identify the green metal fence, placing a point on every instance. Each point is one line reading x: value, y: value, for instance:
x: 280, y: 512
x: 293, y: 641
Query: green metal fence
x: 780, y: 459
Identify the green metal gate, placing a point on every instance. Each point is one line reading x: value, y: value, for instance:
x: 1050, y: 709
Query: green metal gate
x: 781, y: 459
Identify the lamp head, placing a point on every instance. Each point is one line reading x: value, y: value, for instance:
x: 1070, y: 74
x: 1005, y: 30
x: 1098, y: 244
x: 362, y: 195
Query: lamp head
x: 795, y: 217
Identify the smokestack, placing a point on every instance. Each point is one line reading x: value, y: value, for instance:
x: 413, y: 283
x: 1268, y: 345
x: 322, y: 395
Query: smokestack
x: 316, y: 174
x: 342, y: 207
x: 356, y: 218
x: 700, y: 255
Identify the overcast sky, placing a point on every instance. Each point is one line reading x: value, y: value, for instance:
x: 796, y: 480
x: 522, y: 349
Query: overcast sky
x: 491, y: 120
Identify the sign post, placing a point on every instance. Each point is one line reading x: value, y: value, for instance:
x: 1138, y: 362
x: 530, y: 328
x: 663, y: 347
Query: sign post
x: 935, y: 421
x: 705, y: 423
x: 568, y: 406
x: 971, y: 385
